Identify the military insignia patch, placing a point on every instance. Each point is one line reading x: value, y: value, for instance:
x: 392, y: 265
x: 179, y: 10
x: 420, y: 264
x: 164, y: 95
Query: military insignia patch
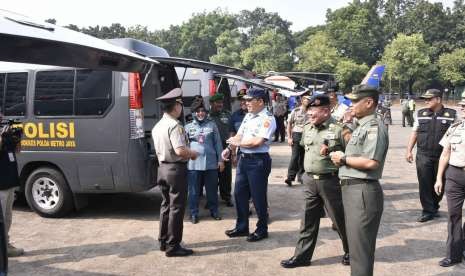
x: 266, y: 124
x: 447, y: 114
x: 424, y: 113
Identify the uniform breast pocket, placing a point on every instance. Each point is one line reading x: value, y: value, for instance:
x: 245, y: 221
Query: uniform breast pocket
x: 456, y: 140
x: 424, y: 125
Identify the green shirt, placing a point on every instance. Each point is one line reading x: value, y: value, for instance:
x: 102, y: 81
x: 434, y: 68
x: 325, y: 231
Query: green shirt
x: 312, y: 139
x: 370, y: 139
x: 222, y: 120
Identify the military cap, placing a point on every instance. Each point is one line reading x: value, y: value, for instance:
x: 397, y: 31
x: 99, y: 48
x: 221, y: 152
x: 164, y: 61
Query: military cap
x: 217, y: 97
x: 319, y: 100
x: 462, y: 102
x: 431, y: 93
x: 255, y: 93
x: 173, y: 95
x: 361, y: 91
x: 330, y: 86
x: 196, y: 104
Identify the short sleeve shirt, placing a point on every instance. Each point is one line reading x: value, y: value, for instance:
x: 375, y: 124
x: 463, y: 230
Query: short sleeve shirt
x: 236, y: 120
x: 297, y: 119
x: 455, y: 139
x: 204, y: 138
x: 168, y: 134
x: 369, y: 140
x: 262, y: 124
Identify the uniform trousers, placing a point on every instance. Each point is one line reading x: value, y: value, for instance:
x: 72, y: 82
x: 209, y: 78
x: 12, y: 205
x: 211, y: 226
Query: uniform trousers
x: 252, y: 181
x: 280, y: 132
x: 427, y: 169
x: 210, y: 179
x: 363, y: 206
x: 7, y: 198
x: 455, y: 193
x: 172, y: 180
x: 296, y: 165
x: 320, y: 193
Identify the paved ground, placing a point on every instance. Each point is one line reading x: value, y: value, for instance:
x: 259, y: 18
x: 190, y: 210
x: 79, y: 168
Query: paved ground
x: 116, y: 235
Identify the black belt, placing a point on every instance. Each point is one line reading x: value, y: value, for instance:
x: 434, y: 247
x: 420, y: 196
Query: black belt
x: 253, y: 155
x: 458, y: 168
x: 176, y: 162
x: 346, y: 182
x: 322, y: 176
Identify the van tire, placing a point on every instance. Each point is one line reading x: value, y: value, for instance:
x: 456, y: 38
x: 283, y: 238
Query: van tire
x: 48, y: 194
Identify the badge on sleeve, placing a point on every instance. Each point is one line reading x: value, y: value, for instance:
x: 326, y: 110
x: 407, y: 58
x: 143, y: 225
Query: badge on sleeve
x: 266, y: 124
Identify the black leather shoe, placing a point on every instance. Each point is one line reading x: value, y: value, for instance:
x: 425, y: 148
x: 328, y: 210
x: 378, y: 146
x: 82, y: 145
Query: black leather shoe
x: 288, y: 182
x: 346, y: 259
x: 179, y: 251
x: 293, y: 262
x: 425, y: 217
x: 236, y: 233
x: 215, y: 216
x: 255, y: 237
x: 446, y: 262
x: 163, y: 246
x: 194, y: 219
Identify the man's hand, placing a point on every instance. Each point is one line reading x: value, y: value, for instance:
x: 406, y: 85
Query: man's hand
x: 290, y: 142
x: 194, y: 155
x: 409, y: 156
x: 225, y: 154
x: 438, y: 187
x: 221, y: 166
x: 233, y: 141
x: 324, y: 150
x: 336, y: 157
x: 234, y: 160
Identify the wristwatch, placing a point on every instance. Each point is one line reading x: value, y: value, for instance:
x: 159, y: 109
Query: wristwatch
x: 343, y: 160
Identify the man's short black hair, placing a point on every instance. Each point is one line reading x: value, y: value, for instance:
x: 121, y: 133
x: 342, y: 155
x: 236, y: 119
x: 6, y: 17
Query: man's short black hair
x: 168, y: 106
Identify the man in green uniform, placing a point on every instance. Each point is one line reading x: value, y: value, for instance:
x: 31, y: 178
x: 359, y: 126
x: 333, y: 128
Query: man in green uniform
x: 361, y: 168
x: 321, y: 135
x: 222, y: 118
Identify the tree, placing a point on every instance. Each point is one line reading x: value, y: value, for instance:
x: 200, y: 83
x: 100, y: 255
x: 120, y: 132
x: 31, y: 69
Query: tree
x: 452, y: 67
x: 301, y: 37
x: 169, y: 39
x: 268, y: 52
x: 229, y: 46
x: 407, y: 59
x: 317, y: 54
x: 258, y: 21
x: 349, y: 73
x: 51, y: 21
x: 199, y: 34
x: 357, y: 31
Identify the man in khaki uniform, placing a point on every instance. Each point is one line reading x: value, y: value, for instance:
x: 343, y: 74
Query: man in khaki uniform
x: 453, y: 159
x: 321, y: 135
x: 295, y: 125
x: 361, y: 168
x: 172, y: 148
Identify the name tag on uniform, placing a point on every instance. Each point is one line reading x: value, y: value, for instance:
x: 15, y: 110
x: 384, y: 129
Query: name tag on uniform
x: 331, y: 136
x: 11, y: 156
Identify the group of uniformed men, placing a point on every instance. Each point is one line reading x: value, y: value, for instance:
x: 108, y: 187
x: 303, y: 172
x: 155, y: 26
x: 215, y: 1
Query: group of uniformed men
x: 342, y: 158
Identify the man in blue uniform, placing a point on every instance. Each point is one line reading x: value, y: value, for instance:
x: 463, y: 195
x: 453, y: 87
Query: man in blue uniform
x: 254, y: 165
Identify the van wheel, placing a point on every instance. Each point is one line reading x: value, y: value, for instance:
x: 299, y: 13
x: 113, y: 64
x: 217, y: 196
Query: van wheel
x: 48, y: 194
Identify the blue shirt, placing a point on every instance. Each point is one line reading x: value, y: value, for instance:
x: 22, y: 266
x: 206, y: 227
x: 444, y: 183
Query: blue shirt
x: 261, y: 125
x: 205, y: 139
x: 236, y: 120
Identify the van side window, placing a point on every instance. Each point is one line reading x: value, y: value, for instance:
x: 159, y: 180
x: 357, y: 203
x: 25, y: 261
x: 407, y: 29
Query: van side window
x: 72, y: 92
x: 54, y: 93
x: 13, y: 94
x: 93, y: 92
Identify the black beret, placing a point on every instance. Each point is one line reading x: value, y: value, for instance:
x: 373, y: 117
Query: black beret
x: 319, y: 100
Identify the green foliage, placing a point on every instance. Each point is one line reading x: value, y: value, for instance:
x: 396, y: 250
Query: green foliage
x: 268, y: 52
x: 357, y: 31
x: 317, y: 54
x: 199, y: 34
x: 452, y: 67
x: 407, y: 58
x: 349, y: 73
x: 229, y: 46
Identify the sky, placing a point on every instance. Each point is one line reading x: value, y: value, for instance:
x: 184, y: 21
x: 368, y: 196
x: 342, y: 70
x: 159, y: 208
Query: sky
x: 156, y: 14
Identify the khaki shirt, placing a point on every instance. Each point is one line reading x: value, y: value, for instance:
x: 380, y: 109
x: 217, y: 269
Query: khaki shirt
x: 168, y: 134
x: 370, y: 140
x: 455, y: 139
x: 312, y: 139
x: 297, y: 119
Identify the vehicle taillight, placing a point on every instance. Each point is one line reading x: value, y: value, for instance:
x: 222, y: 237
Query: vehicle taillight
x: 136, y: 114
x: 212, y: 87
x: 135, y: 91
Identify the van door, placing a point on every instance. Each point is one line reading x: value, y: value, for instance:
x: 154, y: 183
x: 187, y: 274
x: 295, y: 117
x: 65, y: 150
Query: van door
x: 32, y: 41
